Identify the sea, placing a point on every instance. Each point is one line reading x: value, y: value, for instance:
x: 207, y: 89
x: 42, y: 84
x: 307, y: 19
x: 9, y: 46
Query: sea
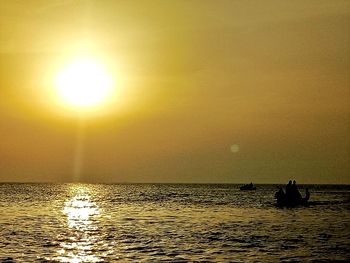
x: 170, y: 223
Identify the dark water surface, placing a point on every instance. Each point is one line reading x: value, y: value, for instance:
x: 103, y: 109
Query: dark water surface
x: 162, y: 222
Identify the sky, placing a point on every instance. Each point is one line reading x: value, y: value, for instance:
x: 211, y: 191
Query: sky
x: 205, y: 91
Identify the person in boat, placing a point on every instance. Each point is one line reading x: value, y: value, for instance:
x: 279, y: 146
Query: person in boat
x: 295, y: 194
x: 289, y: 189
x: 307, y: 196
x: 280, y: 195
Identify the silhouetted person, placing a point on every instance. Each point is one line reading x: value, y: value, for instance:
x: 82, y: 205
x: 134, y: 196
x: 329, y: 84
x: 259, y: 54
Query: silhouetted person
x: 280, y: 196
x: 280, y: 192
x: 307, y: 194
x: 289, y: 189
x: 295, y: 194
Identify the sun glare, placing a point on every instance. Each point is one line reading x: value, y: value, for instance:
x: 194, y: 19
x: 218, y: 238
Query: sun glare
x: 83, y: 84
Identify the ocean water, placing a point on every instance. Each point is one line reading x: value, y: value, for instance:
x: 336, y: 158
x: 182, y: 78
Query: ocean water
x: 170, y: 223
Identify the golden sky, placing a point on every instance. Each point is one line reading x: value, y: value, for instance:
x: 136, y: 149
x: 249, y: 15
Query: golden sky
x: 192, y: 78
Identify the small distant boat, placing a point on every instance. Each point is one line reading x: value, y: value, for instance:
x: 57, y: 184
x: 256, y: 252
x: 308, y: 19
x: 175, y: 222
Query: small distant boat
x: 248, y: 187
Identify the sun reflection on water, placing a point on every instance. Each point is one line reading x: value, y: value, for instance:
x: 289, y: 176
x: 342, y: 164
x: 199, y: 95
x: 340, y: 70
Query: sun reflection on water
x: 79, y: 210
x: 82, y: 216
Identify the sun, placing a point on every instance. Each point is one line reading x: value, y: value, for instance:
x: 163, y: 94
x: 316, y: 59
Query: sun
x: 83, y: 83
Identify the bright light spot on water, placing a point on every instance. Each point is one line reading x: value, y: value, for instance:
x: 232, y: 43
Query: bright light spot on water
x: 81, y: 213
x: 79, y: 210
x: 234, y: 148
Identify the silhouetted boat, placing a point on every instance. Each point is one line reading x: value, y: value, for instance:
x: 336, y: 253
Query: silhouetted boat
x: 248, y: 187
x: 284, y: 200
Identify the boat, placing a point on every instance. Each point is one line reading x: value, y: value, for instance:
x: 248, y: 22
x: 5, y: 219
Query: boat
x: 295, y: 199
x: 248, y: 187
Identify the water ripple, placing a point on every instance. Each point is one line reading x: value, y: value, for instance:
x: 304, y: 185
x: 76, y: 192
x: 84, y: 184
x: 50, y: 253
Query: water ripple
x: 162, y: 223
